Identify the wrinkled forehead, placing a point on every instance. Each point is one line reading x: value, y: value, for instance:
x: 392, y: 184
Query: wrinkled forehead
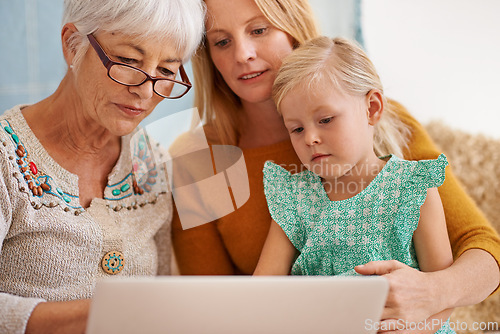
x: 147, y: 41
x: 147, y: 46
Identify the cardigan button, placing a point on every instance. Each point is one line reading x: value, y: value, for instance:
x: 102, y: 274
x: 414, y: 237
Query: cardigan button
x: 112, y: 263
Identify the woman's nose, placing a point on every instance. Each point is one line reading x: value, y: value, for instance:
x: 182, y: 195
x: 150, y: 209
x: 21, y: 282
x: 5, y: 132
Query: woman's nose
x: 245, y: 51
x: 144, y: 91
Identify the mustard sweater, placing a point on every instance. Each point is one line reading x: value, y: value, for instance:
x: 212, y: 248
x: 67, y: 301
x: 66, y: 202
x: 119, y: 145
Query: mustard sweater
x: 232, y: 244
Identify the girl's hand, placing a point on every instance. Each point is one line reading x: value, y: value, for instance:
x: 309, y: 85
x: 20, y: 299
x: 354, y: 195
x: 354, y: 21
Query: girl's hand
x: 413, y: 295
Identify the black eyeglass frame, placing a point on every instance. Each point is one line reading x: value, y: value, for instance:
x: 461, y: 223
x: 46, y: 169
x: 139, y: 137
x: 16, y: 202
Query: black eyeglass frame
x: 108, y: 63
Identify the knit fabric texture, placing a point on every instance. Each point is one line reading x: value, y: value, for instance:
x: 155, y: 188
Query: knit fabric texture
x: 51, y: 247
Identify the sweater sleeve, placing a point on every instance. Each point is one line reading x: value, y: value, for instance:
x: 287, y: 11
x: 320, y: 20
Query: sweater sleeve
x: 467, y: 226
x: 200, y: 250
x: 14, y: 310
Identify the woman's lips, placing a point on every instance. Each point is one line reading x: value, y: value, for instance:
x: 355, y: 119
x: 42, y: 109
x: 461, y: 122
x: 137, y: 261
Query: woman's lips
x: 251, y: 75
x: 130, y: 110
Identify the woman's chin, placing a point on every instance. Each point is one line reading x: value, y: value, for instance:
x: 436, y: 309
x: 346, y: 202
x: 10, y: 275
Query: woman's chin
x: 258, y: 94
x: 123, y: 128
x: 257, y: 98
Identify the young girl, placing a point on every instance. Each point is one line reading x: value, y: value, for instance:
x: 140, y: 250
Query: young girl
x: 350, y: 206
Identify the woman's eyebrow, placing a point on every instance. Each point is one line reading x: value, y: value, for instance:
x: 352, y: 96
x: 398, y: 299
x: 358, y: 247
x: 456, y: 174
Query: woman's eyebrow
x: 142, y: 52
x: 173, y: 60
x: 255, y: 18
x: 217, y: 30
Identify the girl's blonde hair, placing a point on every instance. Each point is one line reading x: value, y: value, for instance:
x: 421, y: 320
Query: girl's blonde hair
x: 343, y: 64
x: 217, y: 104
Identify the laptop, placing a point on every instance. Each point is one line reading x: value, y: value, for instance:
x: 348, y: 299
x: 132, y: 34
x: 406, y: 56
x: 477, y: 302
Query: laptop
x: 237, y: 305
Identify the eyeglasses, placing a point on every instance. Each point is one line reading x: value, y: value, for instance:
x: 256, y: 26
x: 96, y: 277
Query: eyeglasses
x: 132, y: 76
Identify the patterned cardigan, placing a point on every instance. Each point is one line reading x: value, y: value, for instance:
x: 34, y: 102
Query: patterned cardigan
x: 52, y: 249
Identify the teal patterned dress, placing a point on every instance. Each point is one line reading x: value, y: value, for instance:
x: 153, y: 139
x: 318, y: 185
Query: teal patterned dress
x: 376, y: 224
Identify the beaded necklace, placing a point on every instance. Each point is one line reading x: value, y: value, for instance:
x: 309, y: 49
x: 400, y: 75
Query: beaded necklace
x: 40, y: 184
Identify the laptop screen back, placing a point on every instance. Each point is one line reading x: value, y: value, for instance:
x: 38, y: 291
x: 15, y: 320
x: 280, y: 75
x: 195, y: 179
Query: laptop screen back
x: 233, y: 305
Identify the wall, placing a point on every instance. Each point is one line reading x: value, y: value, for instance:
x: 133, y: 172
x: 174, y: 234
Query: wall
x: 30, y: 51
x: 439, y: 58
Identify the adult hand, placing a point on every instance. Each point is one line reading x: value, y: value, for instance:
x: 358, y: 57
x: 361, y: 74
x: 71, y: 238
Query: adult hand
x: 59, y: 317
x: 413, y: 295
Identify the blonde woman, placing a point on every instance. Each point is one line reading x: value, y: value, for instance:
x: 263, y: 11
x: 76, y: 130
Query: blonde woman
x: 234, y: 73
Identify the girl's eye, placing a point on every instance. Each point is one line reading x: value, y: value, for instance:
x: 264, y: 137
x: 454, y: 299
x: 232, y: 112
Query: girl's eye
x: 326, y: 120
x: 298, y: 130
x: 222, y: 43
x: 259, y: 31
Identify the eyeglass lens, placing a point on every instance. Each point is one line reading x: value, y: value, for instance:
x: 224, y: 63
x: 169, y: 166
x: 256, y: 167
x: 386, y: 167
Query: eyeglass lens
x: 130, y: 76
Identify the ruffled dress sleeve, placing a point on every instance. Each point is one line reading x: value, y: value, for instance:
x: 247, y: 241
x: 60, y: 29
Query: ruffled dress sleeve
x: 421, y: 175
x: 428, y: 174
x: 431, y: 173
x: 282, y: 202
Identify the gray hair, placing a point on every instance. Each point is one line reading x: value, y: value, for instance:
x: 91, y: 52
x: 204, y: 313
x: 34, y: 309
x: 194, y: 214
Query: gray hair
x: 178, y: 21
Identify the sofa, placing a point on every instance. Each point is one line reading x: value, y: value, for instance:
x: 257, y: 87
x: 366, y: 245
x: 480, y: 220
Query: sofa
x: 475, y: 159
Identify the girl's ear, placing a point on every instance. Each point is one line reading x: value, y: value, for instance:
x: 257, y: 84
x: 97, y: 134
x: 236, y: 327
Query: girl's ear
x: 68, y: 50
x: 375, y: 103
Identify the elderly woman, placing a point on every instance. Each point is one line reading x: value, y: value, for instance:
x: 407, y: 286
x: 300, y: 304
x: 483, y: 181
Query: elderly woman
x: 81, y: 197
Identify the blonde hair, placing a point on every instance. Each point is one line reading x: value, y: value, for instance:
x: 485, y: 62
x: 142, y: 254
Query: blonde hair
x: 217, y: 104
x: 345, y: 65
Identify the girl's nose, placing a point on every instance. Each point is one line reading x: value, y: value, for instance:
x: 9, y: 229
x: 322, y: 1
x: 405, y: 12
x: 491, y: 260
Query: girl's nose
x: 312, y: 138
